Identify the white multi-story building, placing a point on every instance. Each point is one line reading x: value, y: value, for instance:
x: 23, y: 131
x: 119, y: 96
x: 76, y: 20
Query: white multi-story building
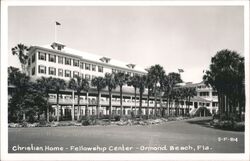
x: 57, y: 60
x: 206, y: 97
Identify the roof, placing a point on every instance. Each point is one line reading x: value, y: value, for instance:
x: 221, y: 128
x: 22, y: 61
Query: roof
x: 192, y: 84
x: 95, y: 58
x: 199, y: 99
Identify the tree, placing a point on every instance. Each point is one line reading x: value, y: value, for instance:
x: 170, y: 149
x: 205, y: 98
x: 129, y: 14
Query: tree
x: 58, y: 84
x: 176, y: 94
x: 191, y: 92
x: 134, y: 81
x: 111, y: 84
x: 141, y: 86
x: 46, y: 85
x: 21, y: 51
x: 99, y: 83
x: 21, y: 83
x: 78, y: 84
x: 149, y: 85
x: 226, y: 76
x: 157, y: 73
x: 169, y: 82
x: 121, y: 79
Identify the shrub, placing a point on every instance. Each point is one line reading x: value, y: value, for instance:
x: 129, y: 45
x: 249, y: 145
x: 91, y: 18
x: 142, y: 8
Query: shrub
x: 89, y: 120
x: 117, y: 118
x: 42, y: 122
x: 24, y: 124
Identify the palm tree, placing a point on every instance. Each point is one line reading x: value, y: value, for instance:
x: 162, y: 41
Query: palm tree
x: 134, y: 81
x: 226, y: 73
x: 149, y: 85
x: 99, y: 83
x: 142, y: 84
x: 78, y: 84
x: 121, y: 79
x: 157, y: 73
x: 191, y: 92
x: 111, y: 84
x: 46, y: 85
x: 176, y: 97
x: 22, y: 84
x: 21, y: 51
x: 58, y: 84
x: 169, y: 82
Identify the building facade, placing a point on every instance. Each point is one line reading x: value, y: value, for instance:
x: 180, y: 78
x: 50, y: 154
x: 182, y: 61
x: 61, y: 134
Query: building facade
x: 57, y: 60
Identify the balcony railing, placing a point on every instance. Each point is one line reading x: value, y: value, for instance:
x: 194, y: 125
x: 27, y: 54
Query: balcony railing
x: 103, y: 102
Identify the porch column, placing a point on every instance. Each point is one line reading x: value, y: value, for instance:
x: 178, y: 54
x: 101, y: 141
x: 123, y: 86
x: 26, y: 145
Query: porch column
x: 73, y: 106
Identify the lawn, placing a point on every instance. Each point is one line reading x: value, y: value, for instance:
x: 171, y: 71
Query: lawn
x: 170, y: 137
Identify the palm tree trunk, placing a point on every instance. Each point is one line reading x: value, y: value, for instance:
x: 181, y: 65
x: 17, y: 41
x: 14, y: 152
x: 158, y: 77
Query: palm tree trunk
x: 78, y: 106
x: 135, y: 104
x: 47, y: 112
x: 98, y: 104
x: 110, y: 105
x: 24, y: 117
x: 147, y: 112
x: 161, y: 108
x: 155, y: 100
x: 73, y: 106
x: 140, y: 107
x: 57, y: 105
x: 87, y: 104
x: 121, y: 101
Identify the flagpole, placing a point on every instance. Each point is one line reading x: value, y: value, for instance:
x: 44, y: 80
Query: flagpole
x: 55, y: 31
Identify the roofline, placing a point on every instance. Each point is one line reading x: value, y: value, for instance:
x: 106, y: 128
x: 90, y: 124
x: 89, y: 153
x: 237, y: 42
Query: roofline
x: 34, y: 48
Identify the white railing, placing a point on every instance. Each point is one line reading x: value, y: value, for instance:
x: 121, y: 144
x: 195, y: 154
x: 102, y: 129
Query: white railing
x: 104, y: 102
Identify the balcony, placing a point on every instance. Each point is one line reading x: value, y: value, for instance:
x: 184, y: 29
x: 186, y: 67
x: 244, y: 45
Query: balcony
x: 103, y: 102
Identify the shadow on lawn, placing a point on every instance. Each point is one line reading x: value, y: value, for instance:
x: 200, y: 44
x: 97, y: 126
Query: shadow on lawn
x: 205, y: 122
x: 208, y: 122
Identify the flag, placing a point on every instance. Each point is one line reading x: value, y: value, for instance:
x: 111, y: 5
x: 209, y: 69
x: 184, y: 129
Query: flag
x: 180, y: 70
x: 57, y: 23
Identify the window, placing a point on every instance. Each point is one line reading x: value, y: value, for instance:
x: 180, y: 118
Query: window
x: 42, y: 69
x: 204, y: 93
x: 207, y: 104
x: 75, y: 63
x: 60, y: 72
x: 215, y: 104
x: 93, y: 76
x: 52, y: 71
x: 75, y: 74
x: 82, y: 76
x: 52, y: 58
x: 60, y: 60
x: 100, y: 69
x: 87, y: 66
x: 33, y: 71
x: 29, y: 62
x: 41, y: 56
x: 129, y: 73
x: 67, y: 73
x: 67, y: 61
x: 33, y: 58
x: 214, y: 93
x: 93, y: 67
x: 81, y: 65
x: 87, y: 76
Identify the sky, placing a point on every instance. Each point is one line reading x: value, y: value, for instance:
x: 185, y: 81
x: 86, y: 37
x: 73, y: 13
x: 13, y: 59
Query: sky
x: 176, y: 37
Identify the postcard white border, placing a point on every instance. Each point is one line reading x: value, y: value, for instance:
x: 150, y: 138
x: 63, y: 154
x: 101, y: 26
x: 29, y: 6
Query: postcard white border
x: 149, y: 156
